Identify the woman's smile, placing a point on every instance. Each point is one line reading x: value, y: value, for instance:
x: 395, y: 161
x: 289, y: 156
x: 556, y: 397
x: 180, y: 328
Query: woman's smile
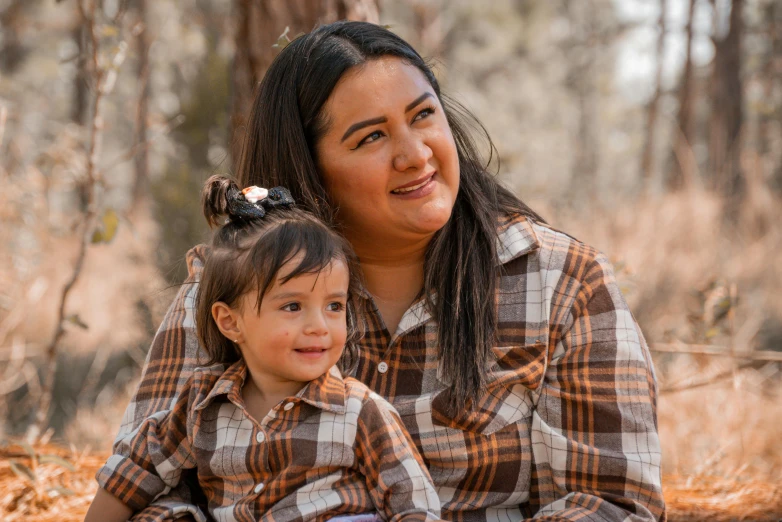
x: 416, y: 189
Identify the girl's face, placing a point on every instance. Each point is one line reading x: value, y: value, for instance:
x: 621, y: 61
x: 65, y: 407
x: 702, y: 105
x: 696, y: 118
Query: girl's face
x: 388, y: 157
x: 301, y: 329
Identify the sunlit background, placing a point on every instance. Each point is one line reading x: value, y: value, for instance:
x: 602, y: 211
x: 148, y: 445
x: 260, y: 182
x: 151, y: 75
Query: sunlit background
x: 651, y: 129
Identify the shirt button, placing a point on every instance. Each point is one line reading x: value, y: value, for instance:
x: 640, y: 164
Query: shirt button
x: 260, y: 437
x: 382, y: 367
x: 288, y: 407
x: 259, y: 487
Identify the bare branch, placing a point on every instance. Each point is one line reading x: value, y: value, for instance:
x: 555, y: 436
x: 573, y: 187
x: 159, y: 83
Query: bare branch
x: 93, y: 179
x: 727, y: 374
x: 716, y: 350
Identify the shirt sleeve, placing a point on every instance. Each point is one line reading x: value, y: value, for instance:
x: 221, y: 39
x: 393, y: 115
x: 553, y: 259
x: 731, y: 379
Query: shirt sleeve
x: 397, y: 479
x: 149, y: 461
x: 173, y: 355
x: 595, y: 444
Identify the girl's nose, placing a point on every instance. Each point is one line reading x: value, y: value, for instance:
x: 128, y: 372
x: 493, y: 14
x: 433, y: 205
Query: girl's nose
x: 411, y: 153
x: 316, y: 324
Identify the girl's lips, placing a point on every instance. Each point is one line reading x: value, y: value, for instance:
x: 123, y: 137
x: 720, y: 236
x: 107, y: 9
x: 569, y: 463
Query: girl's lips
x: 311, y: 353
x: 421, y: 189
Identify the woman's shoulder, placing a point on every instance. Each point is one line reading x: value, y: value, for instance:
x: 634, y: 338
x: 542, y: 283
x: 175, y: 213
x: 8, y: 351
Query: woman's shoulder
x: 195, y: 259
x: 554, y: 250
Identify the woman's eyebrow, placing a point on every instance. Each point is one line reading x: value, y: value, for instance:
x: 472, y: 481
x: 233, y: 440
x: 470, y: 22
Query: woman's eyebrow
x: 374, y: 121
x: 418, y: 100
x: 360, y: 125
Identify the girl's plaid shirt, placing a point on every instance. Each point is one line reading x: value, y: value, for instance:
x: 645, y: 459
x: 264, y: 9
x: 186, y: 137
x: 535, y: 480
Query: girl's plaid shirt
x: 335, y: 448
x: 568, y: 427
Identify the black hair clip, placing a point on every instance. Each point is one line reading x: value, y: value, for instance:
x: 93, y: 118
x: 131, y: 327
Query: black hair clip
x: 253, y: 202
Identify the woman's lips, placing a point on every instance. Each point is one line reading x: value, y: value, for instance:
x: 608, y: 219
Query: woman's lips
x: 416, y: 190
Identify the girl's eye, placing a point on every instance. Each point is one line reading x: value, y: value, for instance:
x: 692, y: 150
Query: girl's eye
x: 336, y: 307
x: 424, y: 114
x: 370, y: 138
x: 292, y: 307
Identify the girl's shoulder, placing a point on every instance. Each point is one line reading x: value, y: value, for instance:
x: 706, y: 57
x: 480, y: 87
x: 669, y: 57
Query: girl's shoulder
x: 358, y: 391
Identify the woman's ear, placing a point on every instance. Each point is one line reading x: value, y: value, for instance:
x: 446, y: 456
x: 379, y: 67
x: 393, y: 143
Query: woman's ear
x: 227, y: 321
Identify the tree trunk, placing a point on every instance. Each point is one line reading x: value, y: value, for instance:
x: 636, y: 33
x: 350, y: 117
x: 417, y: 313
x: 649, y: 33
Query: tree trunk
x: 140, y: 156
x: 260, y: 24
x: 581, y: 84
x: 651, y: 116
x: 80, y: 87
x: 774, y: 84
x: 683, y: 166
x: 726, y: 115
x: 12, y: 52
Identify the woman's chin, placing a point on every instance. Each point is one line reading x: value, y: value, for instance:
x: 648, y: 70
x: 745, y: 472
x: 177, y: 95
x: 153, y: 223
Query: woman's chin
x: 430, y: 220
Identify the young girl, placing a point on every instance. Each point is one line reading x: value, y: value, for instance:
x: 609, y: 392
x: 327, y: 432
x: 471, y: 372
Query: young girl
x: 271, y: 426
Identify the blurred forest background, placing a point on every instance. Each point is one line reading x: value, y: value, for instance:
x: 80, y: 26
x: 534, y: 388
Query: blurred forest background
x: 651, y: 129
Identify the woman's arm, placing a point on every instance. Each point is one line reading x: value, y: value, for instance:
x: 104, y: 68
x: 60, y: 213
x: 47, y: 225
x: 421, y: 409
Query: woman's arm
x: 173, y: 355
x: 595, y: 445
x: 396, y: 477
x: 150, y: 460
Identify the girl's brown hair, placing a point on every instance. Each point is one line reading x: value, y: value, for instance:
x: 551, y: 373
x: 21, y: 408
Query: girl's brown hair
x: 246, y: 254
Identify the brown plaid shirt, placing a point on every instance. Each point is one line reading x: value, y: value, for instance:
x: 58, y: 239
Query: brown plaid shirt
x: 567, y: 429
x: 335, y: 448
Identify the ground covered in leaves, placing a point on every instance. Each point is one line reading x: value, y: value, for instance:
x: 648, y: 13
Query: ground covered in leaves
x: 48, y: 483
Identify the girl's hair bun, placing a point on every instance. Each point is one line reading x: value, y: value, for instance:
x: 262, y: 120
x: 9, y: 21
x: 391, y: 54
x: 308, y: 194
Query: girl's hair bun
x: 221, y: 196
x: 215, y: 197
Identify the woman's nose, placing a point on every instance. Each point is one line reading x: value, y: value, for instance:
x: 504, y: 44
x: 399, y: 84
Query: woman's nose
x: 412, y: 152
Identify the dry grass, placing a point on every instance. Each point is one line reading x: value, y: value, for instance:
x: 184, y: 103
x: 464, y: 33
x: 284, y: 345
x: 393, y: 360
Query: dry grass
x: 63, y: 495
x: 54, y: 491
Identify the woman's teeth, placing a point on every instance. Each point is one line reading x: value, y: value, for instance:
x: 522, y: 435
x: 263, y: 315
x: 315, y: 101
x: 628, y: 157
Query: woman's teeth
x: 410, y: 189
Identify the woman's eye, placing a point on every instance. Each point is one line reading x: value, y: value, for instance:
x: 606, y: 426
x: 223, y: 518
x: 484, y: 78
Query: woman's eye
x: 292, y: 307
x: 336, y: 307
x: 369, y: 138
x: 424, y: 114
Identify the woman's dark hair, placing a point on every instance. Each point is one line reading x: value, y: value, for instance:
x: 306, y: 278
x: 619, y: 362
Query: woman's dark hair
x: 461, y: 266
x: 246, y: 254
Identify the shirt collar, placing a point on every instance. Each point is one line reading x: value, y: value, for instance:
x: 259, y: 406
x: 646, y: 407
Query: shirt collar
x: 515, y: 238
x: 229, y: 384
x: 327, y: 392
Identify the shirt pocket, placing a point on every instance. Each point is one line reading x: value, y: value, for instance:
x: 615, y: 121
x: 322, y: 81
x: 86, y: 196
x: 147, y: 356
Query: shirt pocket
x: 501, y: 406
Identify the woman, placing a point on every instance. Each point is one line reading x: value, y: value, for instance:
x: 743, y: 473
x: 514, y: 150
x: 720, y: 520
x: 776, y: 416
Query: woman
x: 504, y: 344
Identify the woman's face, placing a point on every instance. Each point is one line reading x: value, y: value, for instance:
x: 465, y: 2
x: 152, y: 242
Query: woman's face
x: 388, y: 158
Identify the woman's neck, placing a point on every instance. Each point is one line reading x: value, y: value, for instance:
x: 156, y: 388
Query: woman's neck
x: 394, y: 275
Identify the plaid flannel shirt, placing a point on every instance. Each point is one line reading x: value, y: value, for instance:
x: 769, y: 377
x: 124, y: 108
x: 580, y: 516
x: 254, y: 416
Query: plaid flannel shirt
x: 335, y: 448
x: 568, y: 427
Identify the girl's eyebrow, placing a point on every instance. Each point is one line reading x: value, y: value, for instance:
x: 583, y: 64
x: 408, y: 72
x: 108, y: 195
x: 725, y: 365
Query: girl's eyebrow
x: 291, y: 295
x: 374, y: 121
